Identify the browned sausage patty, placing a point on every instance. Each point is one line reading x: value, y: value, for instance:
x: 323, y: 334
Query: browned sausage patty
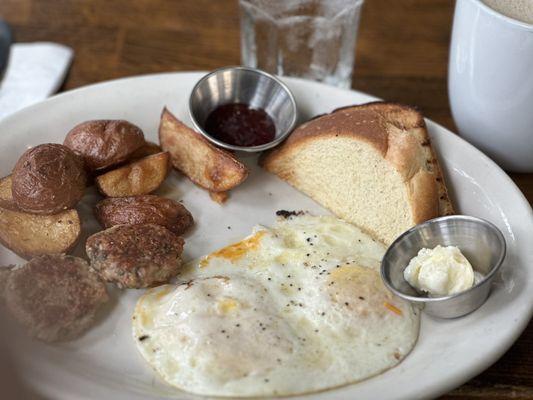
x: 47, y: 179
x: 54, y: 296
x: 135, y: 256
x: 103, y: 143
x: 147, y: 209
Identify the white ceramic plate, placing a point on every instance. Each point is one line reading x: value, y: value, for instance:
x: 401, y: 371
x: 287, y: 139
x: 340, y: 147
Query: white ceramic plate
x: 104, y: 363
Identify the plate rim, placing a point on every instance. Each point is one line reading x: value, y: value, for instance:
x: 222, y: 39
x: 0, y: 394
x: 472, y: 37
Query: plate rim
x: 441, y: 387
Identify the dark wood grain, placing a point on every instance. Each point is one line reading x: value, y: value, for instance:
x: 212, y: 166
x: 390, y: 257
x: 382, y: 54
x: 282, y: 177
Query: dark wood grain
x: 402, y: 54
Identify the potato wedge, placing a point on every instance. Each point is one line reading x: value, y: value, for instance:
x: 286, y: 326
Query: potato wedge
x: 31, y: 235
x: 219, y: 197
x: 147, y: 209
x: 206, y: 165
x: 140, y: 177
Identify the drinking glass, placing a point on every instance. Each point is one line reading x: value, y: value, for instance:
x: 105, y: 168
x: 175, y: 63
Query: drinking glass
x: 312, y: 39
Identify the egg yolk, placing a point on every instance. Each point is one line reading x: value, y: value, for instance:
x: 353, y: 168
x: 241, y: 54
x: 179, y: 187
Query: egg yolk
x: 235, y: 251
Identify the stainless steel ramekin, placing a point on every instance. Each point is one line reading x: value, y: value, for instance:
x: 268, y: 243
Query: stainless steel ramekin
x: 481, y: 242
x: 250, y: 86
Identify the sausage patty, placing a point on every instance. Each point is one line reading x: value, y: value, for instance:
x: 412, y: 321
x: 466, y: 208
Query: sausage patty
x: 54, y: 296
x: 135, y: 256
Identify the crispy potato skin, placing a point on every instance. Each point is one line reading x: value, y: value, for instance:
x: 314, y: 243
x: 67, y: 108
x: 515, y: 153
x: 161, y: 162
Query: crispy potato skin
x: 219, y: 197
x: 104, y: 143
x: 135, y: 256
x: 48, y: 179
x: 138, y: 178
x: 147, y: 209
x: 63, y: 305
x: 6, y: 197
x: 205, y: 165
x: 148, y: 149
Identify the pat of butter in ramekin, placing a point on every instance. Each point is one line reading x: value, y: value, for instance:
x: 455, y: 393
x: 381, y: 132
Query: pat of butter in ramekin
x: 440, y: 271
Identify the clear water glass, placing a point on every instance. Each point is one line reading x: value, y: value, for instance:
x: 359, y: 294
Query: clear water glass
x: 312, y: 39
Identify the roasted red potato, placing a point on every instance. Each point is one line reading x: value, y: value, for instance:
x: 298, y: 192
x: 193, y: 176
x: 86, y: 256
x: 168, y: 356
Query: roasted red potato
x: 48, y: 179
x: 147, y: 209
x: 138, y: 178
x: 104, y: 143
x: 31, y: 235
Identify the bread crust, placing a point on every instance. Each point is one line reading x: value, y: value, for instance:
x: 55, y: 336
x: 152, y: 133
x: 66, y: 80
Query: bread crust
x: 398, y: 132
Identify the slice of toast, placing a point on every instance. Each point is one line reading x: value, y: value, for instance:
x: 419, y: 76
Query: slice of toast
x: 372, y: 165
x: 206, y: 165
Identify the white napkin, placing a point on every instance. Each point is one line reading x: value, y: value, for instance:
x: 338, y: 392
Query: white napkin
x: 34, y: 72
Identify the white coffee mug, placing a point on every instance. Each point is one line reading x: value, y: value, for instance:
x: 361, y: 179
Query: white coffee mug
x: 490, y: 83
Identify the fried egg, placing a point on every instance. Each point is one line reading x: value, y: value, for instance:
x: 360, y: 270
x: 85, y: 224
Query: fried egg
x: 292, y: 309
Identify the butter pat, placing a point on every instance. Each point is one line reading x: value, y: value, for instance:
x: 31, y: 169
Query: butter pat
x: 440, y: 271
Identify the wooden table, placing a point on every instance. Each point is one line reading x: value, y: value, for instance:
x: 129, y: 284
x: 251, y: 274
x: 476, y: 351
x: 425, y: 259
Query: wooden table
x: 402, y: 54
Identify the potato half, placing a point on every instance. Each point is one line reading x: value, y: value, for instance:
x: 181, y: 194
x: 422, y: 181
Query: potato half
x: 140, y: 177
x: 104, y: 143
x: 48, y: 179
x: 31, y: 235
x: 147, y: 209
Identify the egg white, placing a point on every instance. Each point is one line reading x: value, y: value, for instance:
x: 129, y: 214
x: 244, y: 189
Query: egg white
x: 293, y: 309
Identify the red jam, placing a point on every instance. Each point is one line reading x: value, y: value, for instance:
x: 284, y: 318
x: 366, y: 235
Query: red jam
x: 240, y: 125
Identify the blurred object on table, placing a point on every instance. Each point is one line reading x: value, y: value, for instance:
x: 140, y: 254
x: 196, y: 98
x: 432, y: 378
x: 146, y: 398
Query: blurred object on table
x: 311, y: 39
x: 491, y: 79
x: 5, y: 44
x: 34, y: 72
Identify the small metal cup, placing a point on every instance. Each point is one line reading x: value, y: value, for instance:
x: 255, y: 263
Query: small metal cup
x: 250, y: 86
x: 480, y: 241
